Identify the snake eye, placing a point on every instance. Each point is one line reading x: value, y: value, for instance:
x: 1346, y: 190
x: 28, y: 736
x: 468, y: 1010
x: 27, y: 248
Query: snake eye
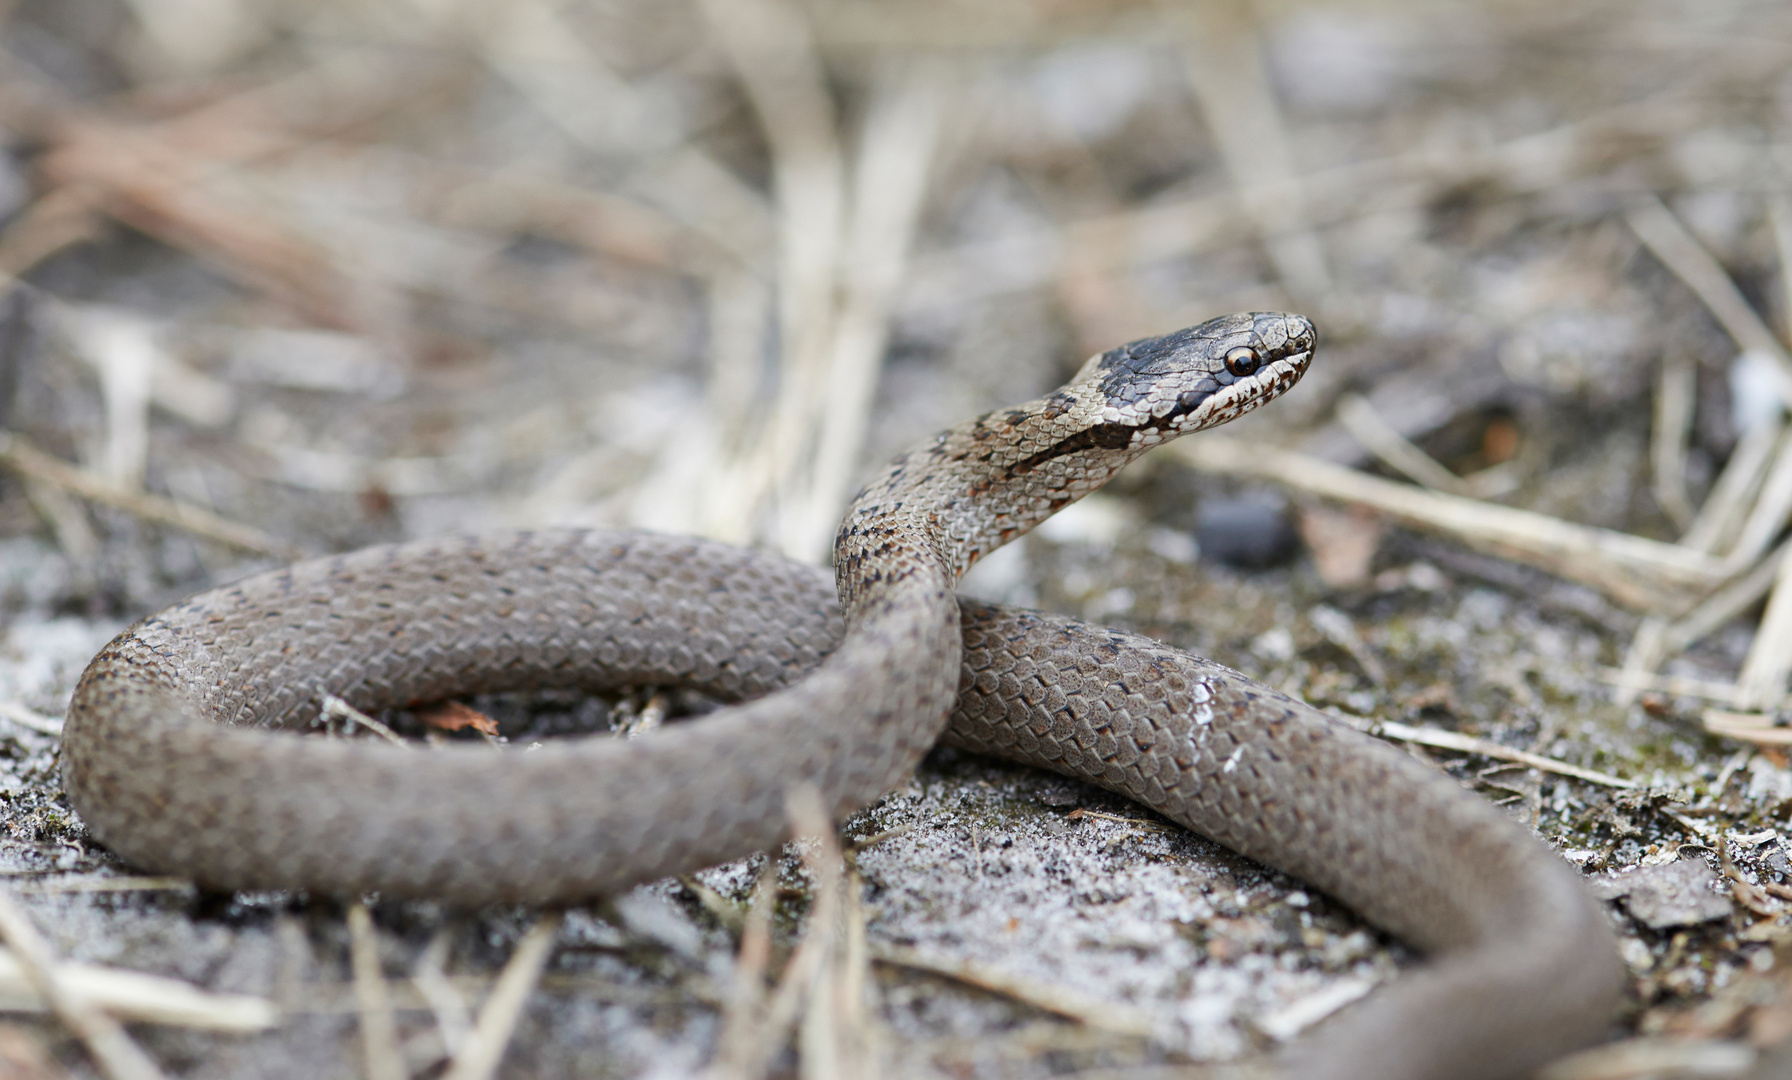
x: 1241, y: 361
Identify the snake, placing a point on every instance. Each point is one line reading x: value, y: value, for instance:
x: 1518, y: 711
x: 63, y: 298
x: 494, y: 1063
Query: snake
x: 185, y: 750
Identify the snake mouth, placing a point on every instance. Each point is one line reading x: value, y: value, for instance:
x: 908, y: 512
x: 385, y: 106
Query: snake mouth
x: 1232, y: 400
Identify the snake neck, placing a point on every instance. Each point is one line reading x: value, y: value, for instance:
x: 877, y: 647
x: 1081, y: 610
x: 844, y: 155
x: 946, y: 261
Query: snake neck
x: 972, y: 488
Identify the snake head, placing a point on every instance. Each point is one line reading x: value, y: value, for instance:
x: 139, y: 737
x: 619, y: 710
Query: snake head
x: 1167, y: 386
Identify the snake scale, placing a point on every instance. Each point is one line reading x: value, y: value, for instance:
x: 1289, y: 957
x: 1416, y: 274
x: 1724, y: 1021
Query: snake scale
x: 179, y: 749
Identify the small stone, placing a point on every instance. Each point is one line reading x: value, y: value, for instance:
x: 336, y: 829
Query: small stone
x: 1777, y: 862
x: 1250, y: 532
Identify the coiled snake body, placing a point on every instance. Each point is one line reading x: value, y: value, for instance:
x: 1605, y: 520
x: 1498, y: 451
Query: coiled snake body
x: 167, y: 756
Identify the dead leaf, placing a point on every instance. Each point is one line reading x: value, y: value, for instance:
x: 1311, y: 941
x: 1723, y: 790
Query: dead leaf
x: 453, y: 716
x: 1343, y: 542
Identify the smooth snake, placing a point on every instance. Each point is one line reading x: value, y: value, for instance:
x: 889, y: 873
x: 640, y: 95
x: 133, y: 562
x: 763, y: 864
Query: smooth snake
x: 168, y: 756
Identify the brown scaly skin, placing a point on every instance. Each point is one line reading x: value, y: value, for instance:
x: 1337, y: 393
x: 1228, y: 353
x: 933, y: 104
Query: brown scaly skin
x: 168, y: 756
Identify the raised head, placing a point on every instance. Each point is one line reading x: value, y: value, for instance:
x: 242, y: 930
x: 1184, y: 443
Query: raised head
x: 1196, y: 378
x: 1149, y: 391
x: 974, y: 487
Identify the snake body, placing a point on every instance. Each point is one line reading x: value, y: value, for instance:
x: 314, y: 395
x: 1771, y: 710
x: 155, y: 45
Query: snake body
x: 169, y: 757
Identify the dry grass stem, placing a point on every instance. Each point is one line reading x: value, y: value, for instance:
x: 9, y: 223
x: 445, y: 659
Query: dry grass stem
x: 1644, y: 574
x: 67, y: 520
x: 138, y: 997
x: 30, y: 719
x: 1767, y: 518
x: 61, y: 219
x: 1637, y: 1059
x: 104, y: 885
x: 135, y: 371
x: 1660, y: 229
x: 1741, y: 593
x: 1769, y: 660
x: 861, y: 1034
x: 167, y: 192
x: 1674, y: 404
x: 126, y: 356
x: 842, y: 257
x: 876, y: 838
x: 484, y: 1047
x: 715, y: 905
x: 1752, y: 727
x: 19, y: 456
x: 1724, y: 509
x: 1381, y: 439
x: 890, y: 177
x: 1223, y: 64
x: 1469, y: 744
x: 806, y: 989
x: 330, y: 707
x: 1137, y: 823
x: 769, y: 45
x: 1177, y: 228
x: 454, y: 1020
x: 1056, y: 1000
x: 805, y: 992
x: 114, y: 1051
x: 837, y: 1035
x: 1648, y: 648
x: 379, y: 1028
x: 743, y: 1010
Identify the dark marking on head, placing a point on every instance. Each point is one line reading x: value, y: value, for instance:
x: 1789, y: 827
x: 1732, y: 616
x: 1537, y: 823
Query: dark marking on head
x: 1225, y: 349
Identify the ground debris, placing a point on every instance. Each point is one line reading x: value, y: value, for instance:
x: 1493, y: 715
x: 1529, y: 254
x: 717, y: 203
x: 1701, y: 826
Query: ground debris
x: 1682, y: 893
